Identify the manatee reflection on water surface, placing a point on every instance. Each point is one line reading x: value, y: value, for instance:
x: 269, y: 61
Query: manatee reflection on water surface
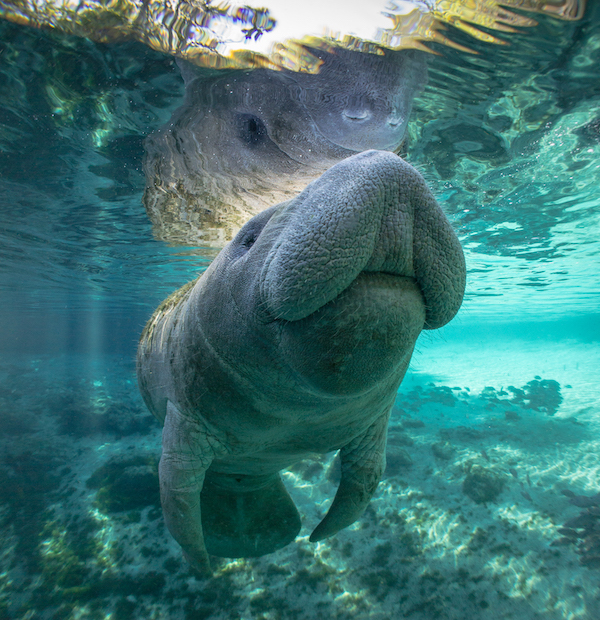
x: 245, y: 140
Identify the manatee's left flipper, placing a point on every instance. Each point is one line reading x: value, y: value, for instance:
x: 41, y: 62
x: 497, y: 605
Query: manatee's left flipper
x: 187, y: 452
x: 363, y: 463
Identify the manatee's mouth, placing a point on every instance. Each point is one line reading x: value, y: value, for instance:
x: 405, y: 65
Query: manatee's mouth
x: 370, y: 292
x: 374, y: 309
x: 361, y: 337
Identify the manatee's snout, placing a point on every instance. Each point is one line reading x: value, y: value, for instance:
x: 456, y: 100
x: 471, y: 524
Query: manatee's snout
x: 338, y: 227
x: 371, y: 213
x: 360, y: 125
x: 368, y: 130
x: 341, y: 273
x: 357, y: 115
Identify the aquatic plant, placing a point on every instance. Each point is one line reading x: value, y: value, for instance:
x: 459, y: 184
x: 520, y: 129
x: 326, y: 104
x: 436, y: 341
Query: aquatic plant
x: 397, y: 459
x: 443, y: 450
x: 584, y: 529
x: 482, y: 484
x: 126, y: 484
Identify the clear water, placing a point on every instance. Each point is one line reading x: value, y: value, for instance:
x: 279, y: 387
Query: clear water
x: 509, y: 140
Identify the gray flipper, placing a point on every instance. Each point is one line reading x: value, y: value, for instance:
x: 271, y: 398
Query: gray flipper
x: 187, y: 452
x: 247, y: 516
x: 363, y: 463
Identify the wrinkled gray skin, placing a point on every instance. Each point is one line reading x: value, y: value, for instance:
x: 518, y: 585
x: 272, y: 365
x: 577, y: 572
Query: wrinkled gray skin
x: 293, y: 342
x: 245, y: 140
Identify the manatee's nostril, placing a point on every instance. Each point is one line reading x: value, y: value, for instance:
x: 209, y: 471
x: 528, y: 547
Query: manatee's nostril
x: 356, y: 115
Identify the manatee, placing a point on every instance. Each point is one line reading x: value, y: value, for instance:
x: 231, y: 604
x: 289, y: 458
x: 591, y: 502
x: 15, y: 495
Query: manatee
x: 292, y: 343
x: 245, y: 140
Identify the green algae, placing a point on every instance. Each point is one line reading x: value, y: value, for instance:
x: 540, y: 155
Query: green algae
x: 482, y: 484
x: 126, y: 484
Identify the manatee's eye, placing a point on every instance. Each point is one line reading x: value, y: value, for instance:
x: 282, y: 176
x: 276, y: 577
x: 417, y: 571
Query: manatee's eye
x: 251, y: 129
x: 249, y: 239
x: 249, y: 234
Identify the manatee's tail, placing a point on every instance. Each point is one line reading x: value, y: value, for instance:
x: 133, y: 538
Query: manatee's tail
x: 247, y: 516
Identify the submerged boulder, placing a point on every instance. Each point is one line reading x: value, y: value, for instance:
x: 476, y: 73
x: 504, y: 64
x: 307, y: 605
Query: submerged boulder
x: 482, y: 484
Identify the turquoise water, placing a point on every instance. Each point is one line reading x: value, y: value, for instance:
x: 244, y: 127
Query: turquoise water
x: 493, y: 442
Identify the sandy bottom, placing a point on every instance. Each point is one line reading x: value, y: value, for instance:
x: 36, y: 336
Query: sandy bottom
x: 492, y: 449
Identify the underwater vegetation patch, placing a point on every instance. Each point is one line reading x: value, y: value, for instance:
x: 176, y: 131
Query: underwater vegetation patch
x: 126, y: 484
x: 81, y: 415
x: 583, y: 531
x: 28, y: 481
x: 77, y: 576
x: 482, y: 484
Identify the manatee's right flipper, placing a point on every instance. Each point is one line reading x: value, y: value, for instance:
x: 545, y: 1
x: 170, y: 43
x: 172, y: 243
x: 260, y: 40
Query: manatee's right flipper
x: 187, y: 452
x: 363, y: 463
x: 247, y: 516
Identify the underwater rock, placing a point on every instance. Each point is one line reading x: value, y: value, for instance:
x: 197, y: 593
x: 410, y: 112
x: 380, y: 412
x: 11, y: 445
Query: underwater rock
x: 443, y: 450
x: 482, y: 484
x: 126, y: 484
x: 584, y: 529
x: 397, y: 459
x: 277, y: 352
